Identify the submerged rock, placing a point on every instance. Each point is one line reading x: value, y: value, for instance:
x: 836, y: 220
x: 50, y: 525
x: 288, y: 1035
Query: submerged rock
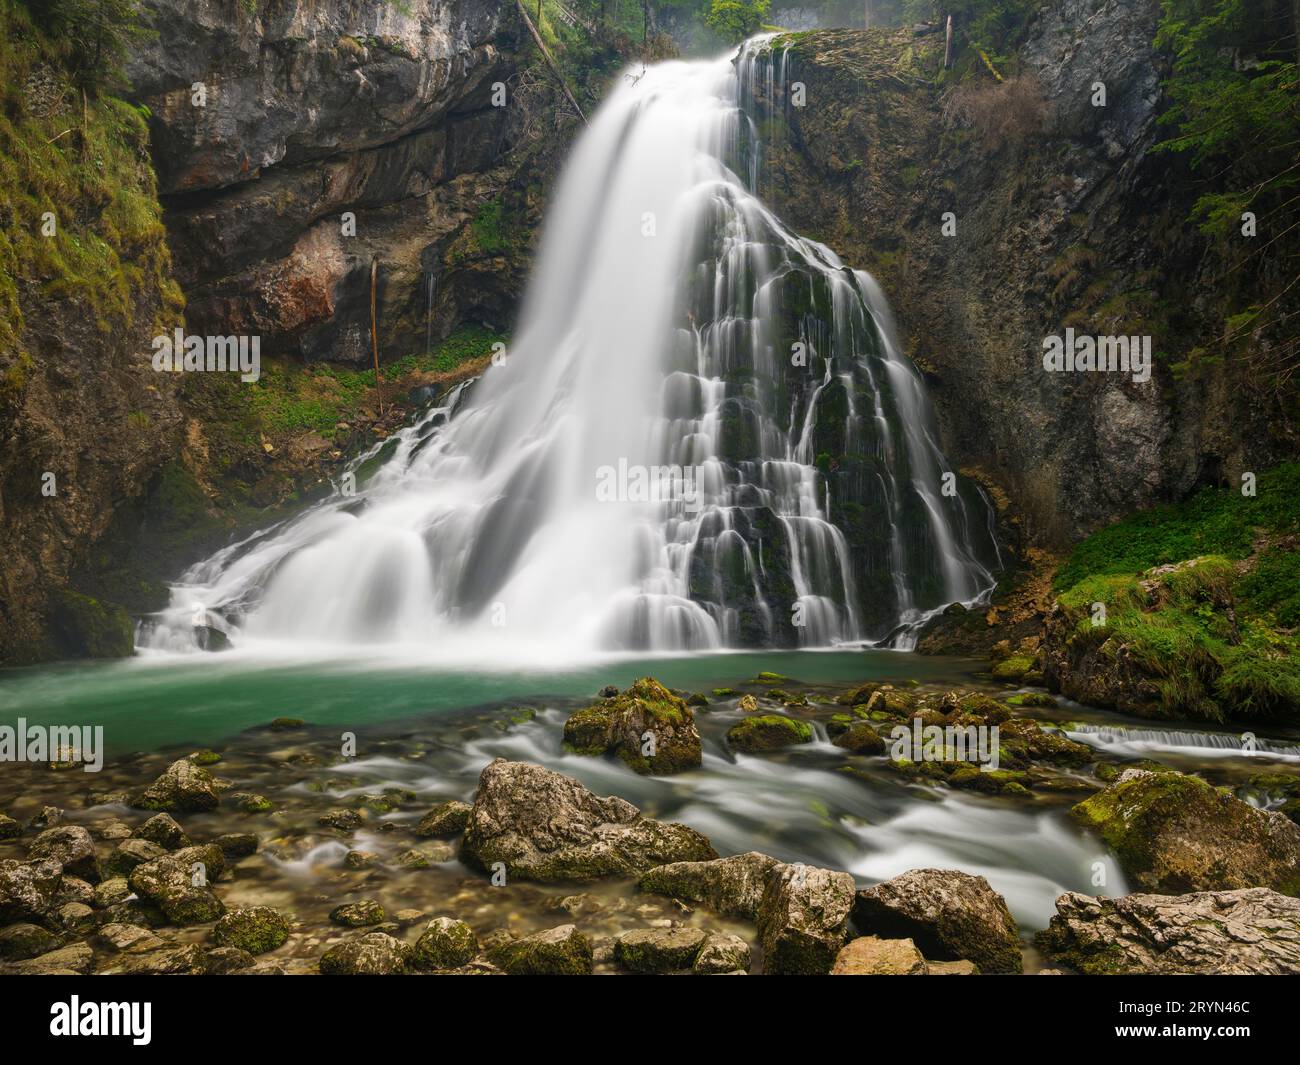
x: 872, y: 956
x: 950, y: 915
x: 659, y: 950
x: 547, y: 827
x: 374, y: 954
x: 1174, y: 833
x: 1251, y: 931
x: 183, y: 786
x: 647, y: 727
x: 768, y: 732
x: 562, y: 951
x: 803, y: 918
x: 358, y: 914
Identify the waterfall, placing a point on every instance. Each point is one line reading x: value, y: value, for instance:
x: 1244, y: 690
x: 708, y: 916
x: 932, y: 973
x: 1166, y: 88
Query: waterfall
x: 652, y: 464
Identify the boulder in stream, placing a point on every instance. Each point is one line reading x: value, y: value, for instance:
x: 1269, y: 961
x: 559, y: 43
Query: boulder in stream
x: 647, y: 727
x: 182, y: 786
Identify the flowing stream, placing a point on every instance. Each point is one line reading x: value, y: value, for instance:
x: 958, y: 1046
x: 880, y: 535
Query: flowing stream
x: 703, y: 436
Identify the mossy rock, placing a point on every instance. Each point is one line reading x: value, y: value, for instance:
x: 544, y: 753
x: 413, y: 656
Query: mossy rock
x: 1175, y: 834
x: 91, y: 628
x: 1032, y: 699
x: 860, y: 738
x: 445, y: 944
x: 256, y: 929
x: 647, y: 727
x: 768, y: 732
x: 1013, y: 668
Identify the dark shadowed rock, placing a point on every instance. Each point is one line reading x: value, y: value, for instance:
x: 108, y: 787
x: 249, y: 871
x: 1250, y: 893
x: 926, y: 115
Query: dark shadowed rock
x: 69, y: 845
x: 163, y: 830
x: 1252, y: 931
x: 546, y: 826
x: 948, y: 914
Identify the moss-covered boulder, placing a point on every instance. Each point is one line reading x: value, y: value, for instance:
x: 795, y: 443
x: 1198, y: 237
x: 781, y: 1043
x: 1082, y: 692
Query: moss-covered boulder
x: 177, y: 889
x: 1174, y: 833
x: 948, y: 914
x: 659, y: 950
x: 91, y: 628
x: 183, y: 786
x: 544, y: 826
x: 860, y: 738
x: 445, y: 943
x: 647, y: 727
x: 1012, y: 668
x: 562, y: 951
x: 163, y: 830
x: 255, y: 929
x: 768, y: 732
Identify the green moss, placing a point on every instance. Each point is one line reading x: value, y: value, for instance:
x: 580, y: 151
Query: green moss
x: 768, y: 732
x: 1013, y: 668
x: 89, y: 628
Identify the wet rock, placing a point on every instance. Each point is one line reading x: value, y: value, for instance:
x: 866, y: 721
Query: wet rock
x: 131, y: 853
x: 545, y: 826
x: 872, y: 956
x: 358, y: 914
x: 562, y: 951
x: 74, y: 960
x: 722, y: 952
x: 252, y: 803
x: 47, y: 818
x: 950, y: 916
x: 445, y: 819
x: 130, y: 938
x: 359, y: 859
x: 407, y: 918
x: 1250, y: 931
x: 112, y: 831
x: 768, y: 732
x: 74, y: 889
x: 27, y: 889
x: 236, y: 845
x: 223, y: 960
x: 185, y: 960
x: 803, y: 918
x: 343, y: 820
x: 112, y: 891
x: 9, y: 828
x: 374, y: 954
x: 861, y: 739
x: 1174, y: 833
x: 204, y: 859
x: 18, y: 942
x: 731, y: 887
x: 163, y: 830
x: 645, y: 718
x: 445, y: 943
x: 69, y: 845
x: 169, y: 883
x: 748, y: 704
x: 255, y: 929
x: 659, y: 950
x: 76, y: 918
x: 953, y: 968
x: 184, y: 786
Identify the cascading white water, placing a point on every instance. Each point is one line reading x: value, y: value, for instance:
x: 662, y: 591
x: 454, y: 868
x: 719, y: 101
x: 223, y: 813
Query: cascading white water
x: 674, y: 327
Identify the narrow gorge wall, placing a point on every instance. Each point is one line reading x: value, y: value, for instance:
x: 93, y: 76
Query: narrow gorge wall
x: 1063, y: 218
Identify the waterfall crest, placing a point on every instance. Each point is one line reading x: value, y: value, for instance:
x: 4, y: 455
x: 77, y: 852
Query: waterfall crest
x: 703, y: 435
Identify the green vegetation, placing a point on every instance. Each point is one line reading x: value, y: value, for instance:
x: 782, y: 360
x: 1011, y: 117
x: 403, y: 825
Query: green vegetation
x: 77, y: 192
x: 736, y: 19
x: 90, y: 37
x: 1203, y: 596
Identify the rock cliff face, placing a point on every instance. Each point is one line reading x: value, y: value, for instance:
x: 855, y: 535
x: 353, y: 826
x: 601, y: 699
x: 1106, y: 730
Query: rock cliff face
x: 274, y: 123
x: 1063, y: 218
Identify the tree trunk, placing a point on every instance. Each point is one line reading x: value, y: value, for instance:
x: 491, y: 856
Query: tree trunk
x: 947, y: 45
x: 546, y: 55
